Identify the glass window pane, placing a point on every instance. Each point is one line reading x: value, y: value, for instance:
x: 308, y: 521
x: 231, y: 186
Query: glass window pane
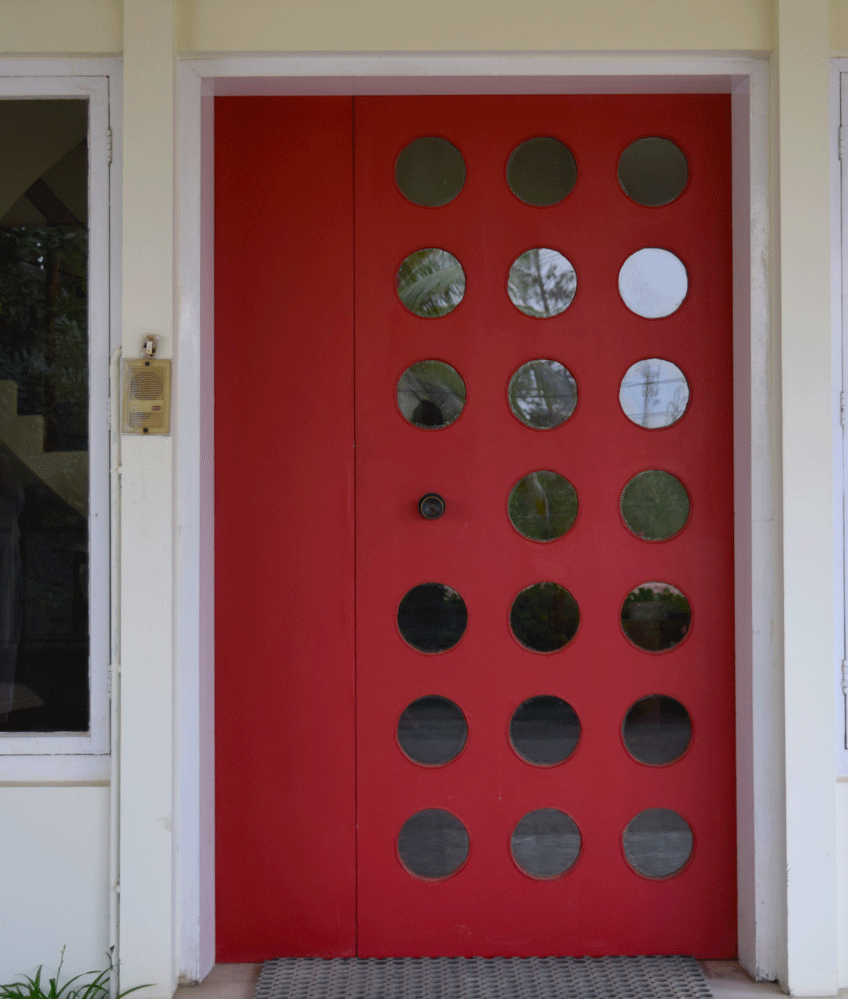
x: 656, y: 616
x: 545, y: 843
x: 430, y: 282
x: 430, y: 171
x: 541, y: 171
x: 542, y: 394
x: 44, y: 638
x: 542, y: 506
x: 542, y: 283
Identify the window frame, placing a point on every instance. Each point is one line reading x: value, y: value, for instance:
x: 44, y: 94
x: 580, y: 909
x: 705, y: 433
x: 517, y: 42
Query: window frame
x: 82, y: 755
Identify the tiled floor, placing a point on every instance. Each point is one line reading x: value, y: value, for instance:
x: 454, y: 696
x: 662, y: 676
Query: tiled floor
x: 237, y: 981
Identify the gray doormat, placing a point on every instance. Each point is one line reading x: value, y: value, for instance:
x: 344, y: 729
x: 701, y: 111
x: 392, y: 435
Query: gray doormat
x: 483, y: 978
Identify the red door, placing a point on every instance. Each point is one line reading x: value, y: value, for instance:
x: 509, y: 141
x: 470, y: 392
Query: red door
x: 543, y: 722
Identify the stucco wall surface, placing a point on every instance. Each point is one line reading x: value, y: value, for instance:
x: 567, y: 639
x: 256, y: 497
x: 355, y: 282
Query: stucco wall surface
x: 55, y: 875
x: 447, y: 26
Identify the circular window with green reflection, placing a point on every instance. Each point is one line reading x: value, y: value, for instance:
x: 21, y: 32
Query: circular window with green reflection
x: 542, y: 506
x: 430, y: 282
x: 431, y: 394
x: 655, y: 505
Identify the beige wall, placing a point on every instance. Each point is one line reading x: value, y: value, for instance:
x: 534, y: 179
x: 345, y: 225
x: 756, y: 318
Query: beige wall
x: 482, y: 25
x: 96, y: 26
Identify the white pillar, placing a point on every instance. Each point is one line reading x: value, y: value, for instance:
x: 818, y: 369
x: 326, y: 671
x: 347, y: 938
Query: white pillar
x: 808, y: 531
x: 146, y: 932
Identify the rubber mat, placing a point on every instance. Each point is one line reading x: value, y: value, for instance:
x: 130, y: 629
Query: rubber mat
x: 483, y: 978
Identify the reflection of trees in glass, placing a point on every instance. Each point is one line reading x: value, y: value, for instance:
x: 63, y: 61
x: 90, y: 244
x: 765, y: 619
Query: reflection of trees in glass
x: 543, y: 506
x: 655, y: 505
x: 655, y: 616
x: 541, y: 283
x: 44, y: 327
x: 431, y: 394
x: 654, y: 393
x: 431, y: 282
x: 542, y: 394
x: 432, y: 617
x: 544, y: 617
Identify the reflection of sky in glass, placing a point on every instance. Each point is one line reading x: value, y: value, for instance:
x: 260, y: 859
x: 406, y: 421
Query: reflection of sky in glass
x: 541, y: 283
x: 654, y: 393
x: 653, y: 283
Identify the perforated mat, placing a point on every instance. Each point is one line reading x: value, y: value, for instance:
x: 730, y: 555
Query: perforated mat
x: 483, y: 978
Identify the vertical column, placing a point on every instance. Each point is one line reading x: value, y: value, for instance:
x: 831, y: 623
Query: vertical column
x: 808, y: 530
x: 147, y: 749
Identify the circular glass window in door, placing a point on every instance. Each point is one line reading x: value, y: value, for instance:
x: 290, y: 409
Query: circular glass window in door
x: 653, y: 171
x: 542, y: 394
x: 657, y: 730
x: 432, y: 617
x: 542, y: 283
x: 653, y: 283
x: 545, y: 843
x: 430, y: 171
x: 431, y: 394
x: 430, y: 282
x: 432, y: 731
x: 657, y: 843
x: 541, y: 171
x: 654, y: 393
x: 544, y: 730
x: 542, y: 506
x: 655, y: 505
x: 656, y: 617
x: 544, y: 617
x: 433, y: 844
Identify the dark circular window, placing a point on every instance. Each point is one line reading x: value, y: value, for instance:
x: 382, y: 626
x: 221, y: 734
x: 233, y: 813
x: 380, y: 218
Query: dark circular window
x: 432, y: 617
x: 432, y: 730
x: 432, y: 844
x: 657, y: 730
x: 544, y: 730
x: 656, y: 616
x: 545, y: 843
x: 544, y: 617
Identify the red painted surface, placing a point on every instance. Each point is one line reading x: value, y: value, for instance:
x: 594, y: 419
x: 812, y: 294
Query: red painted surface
x: 600, y: 906
x: 284, y: 528
x: 284, y: 332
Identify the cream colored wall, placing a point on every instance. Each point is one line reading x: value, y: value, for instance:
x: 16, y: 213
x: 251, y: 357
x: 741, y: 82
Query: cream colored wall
x: 839, y: 26
x: 54, y: 859
x: 483, y: 25
x: 82, y: 27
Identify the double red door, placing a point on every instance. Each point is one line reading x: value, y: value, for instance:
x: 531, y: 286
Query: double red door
x: 501, y: 721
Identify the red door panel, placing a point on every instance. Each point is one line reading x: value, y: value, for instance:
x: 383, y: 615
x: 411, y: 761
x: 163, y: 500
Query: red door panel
x: 285, y: 819
x: 600, y: 905
x: 312, y: 787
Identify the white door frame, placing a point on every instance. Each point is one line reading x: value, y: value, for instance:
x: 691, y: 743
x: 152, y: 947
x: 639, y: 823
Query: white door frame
x: 759, y: 729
